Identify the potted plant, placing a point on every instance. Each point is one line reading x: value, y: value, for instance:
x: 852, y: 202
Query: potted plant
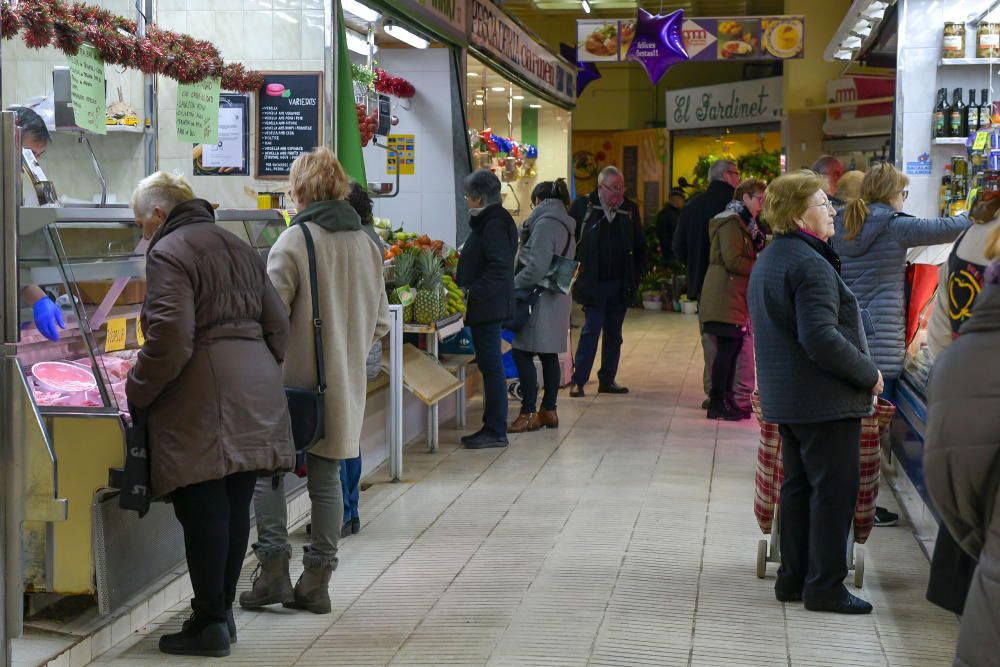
x: 651, y: 291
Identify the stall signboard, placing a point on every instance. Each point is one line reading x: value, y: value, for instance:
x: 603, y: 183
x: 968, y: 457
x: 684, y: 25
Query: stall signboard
x: 289, y: 108
x: 500, y: 38
x: 866, y: 118
x: 742, y: 38
x: 737, y: 103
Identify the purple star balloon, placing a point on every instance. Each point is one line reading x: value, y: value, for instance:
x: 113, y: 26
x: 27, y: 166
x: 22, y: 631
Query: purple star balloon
x: 658, y: 43
x: 585, y: 72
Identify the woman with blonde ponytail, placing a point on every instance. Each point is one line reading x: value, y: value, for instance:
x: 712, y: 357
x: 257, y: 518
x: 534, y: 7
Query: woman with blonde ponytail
x: 873, y: 238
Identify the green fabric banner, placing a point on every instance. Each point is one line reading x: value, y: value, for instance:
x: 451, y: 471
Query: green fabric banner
x: 348, y: 135
x: 529, y: 126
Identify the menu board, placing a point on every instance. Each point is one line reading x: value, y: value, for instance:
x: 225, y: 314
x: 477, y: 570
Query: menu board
x: 289, y: 117
x: 738, y: 38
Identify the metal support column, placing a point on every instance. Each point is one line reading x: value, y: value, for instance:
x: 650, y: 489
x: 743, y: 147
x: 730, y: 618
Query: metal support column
x: 10, y: 173
x: 394, y: 407
x: 433, y: 437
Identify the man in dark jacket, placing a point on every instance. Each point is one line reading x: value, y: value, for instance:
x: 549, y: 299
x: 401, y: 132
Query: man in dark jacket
x: 611, y: 249
x: 486, y: 270
x: 691, y: 246
x: 830, y: 169
x: 666, y: 224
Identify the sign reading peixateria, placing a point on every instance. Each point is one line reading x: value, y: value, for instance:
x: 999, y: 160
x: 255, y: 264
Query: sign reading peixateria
x: 738, y: 103
x: 499, y: 36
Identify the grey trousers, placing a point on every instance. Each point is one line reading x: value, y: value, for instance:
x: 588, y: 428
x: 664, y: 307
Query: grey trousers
x: 323, y: 484
x: 746, y: 371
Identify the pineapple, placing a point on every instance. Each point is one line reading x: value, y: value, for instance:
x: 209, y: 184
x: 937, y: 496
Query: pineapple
x: 429, y: 304
x: 405, y: 271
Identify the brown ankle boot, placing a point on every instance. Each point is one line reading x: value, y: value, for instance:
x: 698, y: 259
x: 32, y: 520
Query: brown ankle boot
x: 523, y: 424
x: 547, y: 419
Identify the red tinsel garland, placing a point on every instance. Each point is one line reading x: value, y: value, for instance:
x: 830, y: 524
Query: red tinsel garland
x: 66, y: 26
x: 388, y: 84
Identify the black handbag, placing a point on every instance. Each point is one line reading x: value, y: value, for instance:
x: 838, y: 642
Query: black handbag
x: 132, y: 481
x: 306, y: 407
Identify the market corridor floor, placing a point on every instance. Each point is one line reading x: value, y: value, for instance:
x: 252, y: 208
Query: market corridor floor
x: 626, y: 537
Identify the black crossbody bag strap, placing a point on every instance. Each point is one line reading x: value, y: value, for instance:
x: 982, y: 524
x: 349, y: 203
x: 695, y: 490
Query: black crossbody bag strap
x: 317, y: 320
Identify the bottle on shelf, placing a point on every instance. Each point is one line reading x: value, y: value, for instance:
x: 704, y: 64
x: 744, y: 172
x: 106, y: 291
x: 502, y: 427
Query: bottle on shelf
x: 986, y: 111
x: 956, y: 115
x: 970, y: 115
x: 941, y: 112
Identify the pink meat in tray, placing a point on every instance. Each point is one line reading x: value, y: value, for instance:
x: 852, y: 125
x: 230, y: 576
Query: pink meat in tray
x: 63, y: 377
x: 43, y: 397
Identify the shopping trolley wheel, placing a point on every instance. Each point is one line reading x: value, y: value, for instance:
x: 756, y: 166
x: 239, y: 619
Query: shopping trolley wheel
x: 859, y: 567
x: 761, y: 559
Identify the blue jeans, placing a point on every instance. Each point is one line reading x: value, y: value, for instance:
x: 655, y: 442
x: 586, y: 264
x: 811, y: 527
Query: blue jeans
x: 486, y: 339
x: 350, y: 482
x: 604, y: 321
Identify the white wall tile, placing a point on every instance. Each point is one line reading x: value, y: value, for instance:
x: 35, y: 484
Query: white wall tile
x: 81, y: 654
x: 258, y: 5
x: 257, y: 27
x: 102, y: 642
x: 230, y: 38
x: 312, y: 35
x: 286, y: 34
x: 201, y: 25
x: 121, y: 629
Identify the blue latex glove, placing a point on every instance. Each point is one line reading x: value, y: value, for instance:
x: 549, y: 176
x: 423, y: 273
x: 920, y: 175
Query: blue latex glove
x: 47, y: 316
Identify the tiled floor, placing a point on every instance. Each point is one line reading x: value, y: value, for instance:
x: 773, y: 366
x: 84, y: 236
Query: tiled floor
x: 626, y: 537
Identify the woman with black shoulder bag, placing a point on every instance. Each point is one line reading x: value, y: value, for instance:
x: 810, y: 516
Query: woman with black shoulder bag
x: 546, y: 236
x: 353, y: 312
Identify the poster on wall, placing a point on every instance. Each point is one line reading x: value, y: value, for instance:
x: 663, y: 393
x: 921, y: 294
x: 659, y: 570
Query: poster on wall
x: 288, y: 120
x: 230, y: 155
x: 402, y: 154
x: 738, y: 38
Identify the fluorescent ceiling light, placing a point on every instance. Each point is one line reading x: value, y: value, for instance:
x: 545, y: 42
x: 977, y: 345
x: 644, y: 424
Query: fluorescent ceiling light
x: 852, y: 42
x: 404, y: 35
x: 519, y: 97
x: 498, y: 89
x: 535, y: 106
x: 358, y: 44
x: 586, y: 6
x: 364, y: 13
x: 472, y: 74
x: 479, y: 103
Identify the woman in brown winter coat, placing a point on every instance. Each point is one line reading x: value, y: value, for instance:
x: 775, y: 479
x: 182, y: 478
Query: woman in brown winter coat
x: 355, y: 313
x: 209, y: 377
x: 735, y: 238
x: 962, y: 461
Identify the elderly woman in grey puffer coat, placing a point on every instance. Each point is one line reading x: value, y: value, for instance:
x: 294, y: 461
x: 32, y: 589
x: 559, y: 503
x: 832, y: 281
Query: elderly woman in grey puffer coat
x: 962, y: 461
x: 873, y: 238
x: 547, y: 232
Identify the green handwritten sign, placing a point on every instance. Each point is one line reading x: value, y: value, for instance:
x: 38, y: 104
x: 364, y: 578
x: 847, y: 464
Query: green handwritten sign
x: 198, y: 111
x: 87, y: 89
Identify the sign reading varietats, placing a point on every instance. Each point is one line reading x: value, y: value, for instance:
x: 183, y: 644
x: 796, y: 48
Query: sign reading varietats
x: 289, y: 111
x: 498, y: 35
x: 740, y: 103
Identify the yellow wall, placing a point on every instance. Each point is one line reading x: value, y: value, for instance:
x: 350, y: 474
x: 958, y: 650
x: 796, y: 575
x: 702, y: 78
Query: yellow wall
x: 687, y: 150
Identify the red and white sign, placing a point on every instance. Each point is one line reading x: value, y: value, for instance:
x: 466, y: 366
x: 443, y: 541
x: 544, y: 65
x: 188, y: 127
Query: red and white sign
x: 859, y: 119
x: 697, y: 38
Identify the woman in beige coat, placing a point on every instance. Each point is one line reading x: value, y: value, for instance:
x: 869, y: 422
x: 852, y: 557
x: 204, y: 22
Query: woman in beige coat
x: 355, y: 313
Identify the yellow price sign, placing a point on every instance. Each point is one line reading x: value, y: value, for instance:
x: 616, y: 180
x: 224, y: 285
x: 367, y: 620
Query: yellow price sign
x: 287, y: 216
x: 117, y: 330
x: 981, y: 139
x: 139, y: 338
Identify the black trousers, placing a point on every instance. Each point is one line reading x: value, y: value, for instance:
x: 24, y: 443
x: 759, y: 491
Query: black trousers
x: 818, y: 498
x: 215, y: 516
x: 728, y: 343
x: 525, y: 362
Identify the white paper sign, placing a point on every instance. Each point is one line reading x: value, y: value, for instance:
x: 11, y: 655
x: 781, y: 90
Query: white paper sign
x: 228, y: 152
x: 32, y: 162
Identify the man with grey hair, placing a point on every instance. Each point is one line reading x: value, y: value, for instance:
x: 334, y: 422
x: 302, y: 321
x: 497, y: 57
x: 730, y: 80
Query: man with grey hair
x: 692, y: 244
x: 830, y: 169
x: 486, y: 270
x: 611, y: 249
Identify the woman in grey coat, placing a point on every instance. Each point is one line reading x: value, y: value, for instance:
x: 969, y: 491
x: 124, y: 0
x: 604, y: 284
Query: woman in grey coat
x: 873, y: 238
x: 547, y: 232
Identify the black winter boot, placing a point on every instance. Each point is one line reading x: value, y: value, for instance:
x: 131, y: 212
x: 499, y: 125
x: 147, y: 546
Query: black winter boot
x: 730, y: 400
x: 718, y: 408
x: 210, y: 640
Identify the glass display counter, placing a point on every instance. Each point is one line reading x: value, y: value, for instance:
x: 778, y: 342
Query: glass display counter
x: 92, y: 263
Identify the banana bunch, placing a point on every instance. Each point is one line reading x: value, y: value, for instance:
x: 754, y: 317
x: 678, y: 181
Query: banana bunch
x: 456, y: 300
